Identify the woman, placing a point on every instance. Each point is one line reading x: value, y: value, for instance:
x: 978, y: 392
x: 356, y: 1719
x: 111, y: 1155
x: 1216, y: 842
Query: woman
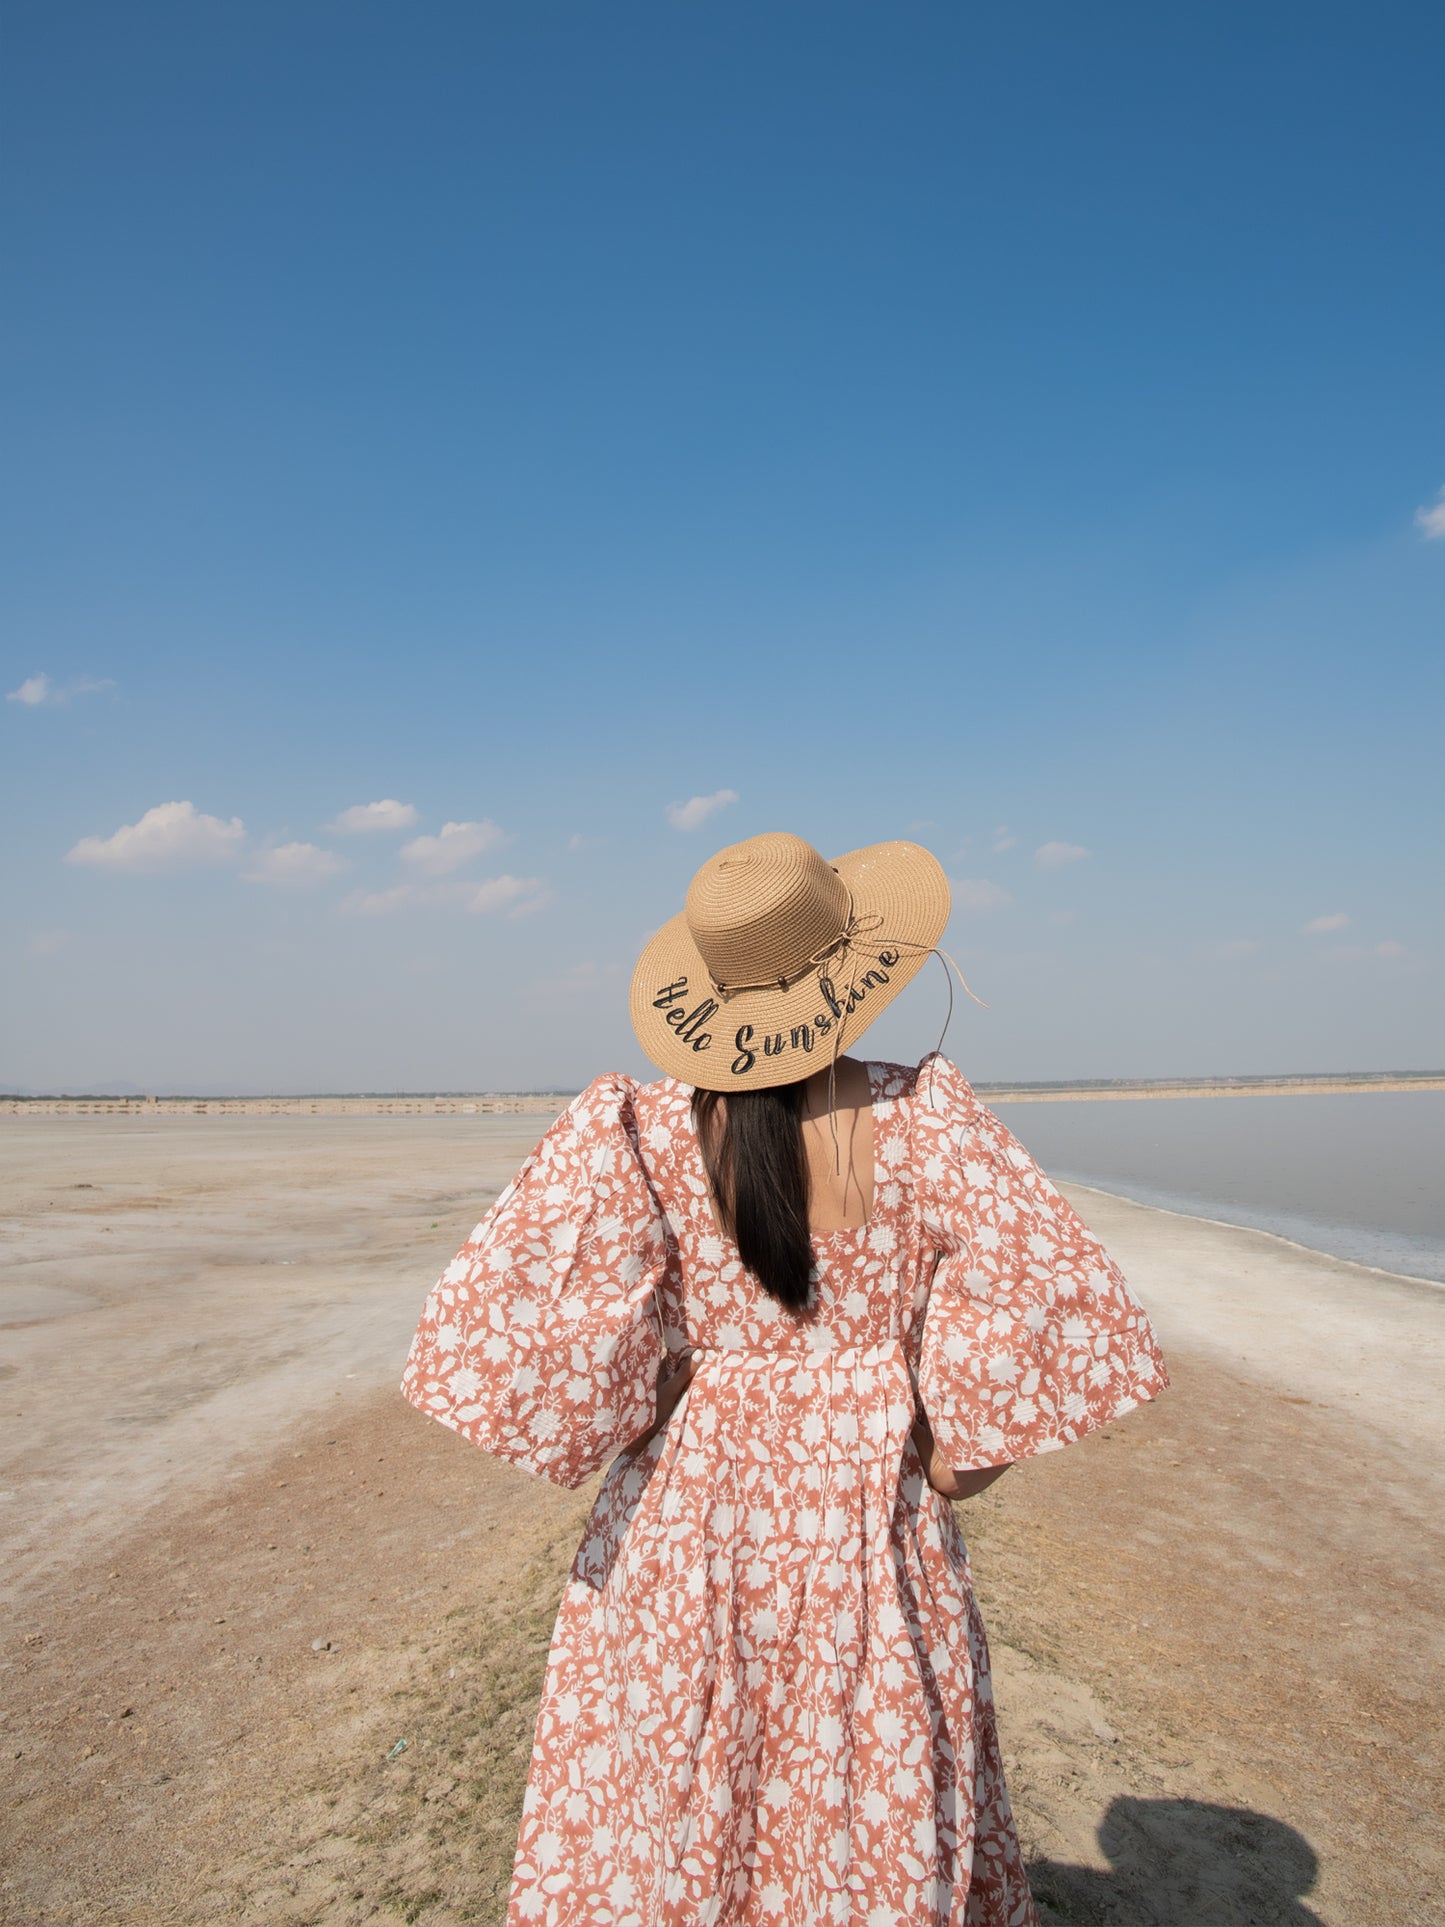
x: 809, y: 1301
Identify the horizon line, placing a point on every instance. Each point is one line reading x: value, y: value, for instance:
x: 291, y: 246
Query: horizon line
x: 1222, y: 1080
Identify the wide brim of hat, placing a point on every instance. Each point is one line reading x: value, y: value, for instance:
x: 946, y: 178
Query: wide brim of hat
x: 692, y: 1034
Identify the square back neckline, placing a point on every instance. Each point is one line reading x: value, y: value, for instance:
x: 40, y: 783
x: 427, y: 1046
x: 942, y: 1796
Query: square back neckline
x: 875, y: 1100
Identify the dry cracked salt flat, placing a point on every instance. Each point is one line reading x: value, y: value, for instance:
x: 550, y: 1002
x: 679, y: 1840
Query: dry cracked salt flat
x: 273, y: 1641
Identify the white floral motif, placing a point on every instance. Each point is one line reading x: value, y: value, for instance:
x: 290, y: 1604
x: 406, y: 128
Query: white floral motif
x: 736, y: 1726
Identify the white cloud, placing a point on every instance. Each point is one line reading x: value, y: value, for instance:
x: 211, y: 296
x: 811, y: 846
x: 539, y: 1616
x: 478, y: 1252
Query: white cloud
x: 1049, y: 856
x: 513, y: 896
x: 1336, y: 920
x: 381, y: 903
x: 385, y: 815
x: 1002, y: 840
x: 39, y: 689
x: 697, y: 809
x: 505, y: 895
x: 1230, y: 947
x: 1431, y: 521
x: 1388, y: 950
x: 454, y: 845
x: 294, y: 863
x: 172, y: 836
x: 978, y: 894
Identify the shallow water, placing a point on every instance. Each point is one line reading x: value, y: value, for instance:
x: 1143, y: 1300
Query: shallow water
x: 1360, y: 1175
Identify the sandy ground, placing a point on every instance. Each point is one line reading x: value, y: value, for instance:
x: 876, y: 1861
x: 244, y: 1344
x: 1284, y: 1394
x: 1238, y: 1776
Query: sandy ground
x: 241, y: 1573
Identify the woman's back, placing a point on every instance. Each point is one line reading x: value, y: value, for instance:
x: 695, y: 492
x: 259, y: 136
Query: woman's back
x: 837, y: 1125
x: 864, y: 1269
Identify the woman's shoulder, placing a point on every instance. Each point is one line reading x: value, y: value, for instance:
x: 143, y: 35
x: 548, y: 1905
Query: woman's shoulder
x: 618, y: 1128
x: 934, y: 1082
x: 609, y: 1091
x: 650, y: 1113
x: 608, y: 1107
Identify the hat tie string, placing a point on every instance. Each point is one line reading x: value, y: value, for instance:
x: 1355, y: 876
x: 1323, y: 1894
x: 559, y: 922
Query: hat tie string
x: 928, y: 950
x: 846, y: 942
x: 855, y: 927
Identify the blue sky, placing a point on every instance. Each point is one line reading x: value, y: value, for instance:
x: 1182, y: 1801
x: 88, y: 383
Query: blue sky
x: 1020, y: 430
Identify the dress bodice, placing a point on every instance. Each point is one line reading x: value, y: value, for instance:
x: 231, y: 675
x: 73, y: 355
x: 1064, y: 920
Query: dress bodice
x: 866, y: 1277
x: 973, y: 1278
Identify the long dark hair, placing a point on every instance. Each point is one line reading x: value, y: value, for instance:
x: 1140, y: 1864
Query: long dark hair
x: 759, y: 1176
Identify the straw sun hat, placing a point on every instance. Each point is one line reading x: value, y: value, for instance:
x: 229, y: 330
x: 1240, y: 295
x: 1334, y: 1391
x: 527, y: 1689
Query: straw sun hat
x: 781, y: 960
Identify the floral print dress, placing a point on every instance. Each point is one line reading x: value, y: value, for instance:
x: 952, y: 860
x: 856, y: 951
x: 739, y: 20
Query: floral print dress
x: 768, y: 1701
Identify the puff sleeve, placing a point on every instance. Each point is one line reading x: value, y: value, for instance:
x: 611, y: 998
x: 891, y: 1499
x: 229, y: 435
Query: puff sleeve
x: 1031, y: 1337
x: 541, y: 1340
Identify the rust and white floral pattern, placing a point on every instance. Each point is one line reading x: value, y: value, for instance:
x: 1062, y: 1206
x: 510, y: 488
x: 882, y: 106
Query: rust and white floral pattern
x: 541, y: 1339
x: 768, y: 1699
x: 1032, y: 1338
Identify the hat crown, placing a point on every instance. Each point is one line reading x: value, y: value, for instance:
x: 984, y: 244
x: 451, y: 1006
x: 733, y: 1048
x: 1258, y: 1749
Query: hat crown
x: 759, y: 911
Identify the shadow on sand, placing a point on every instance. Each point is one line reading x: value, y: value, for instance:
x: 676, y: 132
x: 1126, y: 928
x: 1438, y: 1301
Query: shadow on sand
x: 1181, y: 1863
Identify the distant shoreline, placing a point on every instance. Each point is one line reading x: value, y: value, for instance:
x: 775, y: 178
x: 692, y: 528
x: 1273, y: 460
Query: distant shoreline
x: 1214, y: 1087
x: 541, y: 1103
